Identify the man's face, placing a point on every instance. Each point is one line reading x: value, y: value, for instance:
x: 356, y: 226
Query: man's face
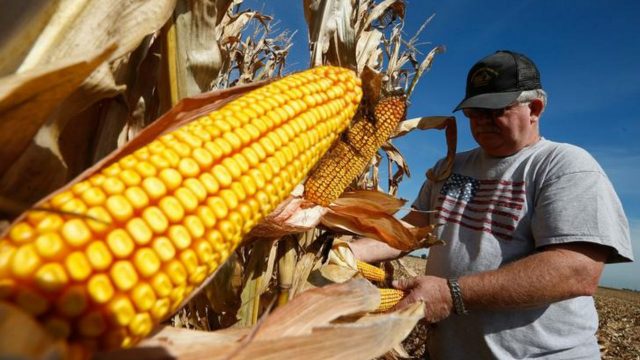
x: 503, y: 132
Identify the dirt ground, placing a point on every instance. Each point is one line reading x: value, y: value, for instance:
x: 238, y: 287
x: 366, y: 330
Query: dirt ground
x: 618, y: 311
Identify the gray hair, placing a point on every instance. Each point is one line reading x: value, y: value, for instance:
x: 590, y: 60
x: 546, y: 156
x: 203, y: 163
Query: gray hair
x: 530, y: 95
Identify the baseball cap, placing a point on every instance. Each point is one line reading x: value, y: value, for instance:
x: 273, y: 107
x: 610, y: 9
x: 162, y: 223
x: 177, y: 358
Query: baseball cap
x: 497, y: 80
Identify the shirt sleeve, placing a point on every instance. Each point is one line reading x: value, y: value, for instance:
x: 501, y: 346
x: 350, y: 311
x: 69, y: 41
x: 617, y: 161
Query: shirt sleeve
x: 581, y: 206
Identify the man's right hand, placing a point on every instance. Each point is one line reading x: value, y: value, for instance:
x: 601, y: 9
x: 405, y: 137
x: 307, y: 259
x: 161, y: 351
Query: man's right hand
x: 432, y: 290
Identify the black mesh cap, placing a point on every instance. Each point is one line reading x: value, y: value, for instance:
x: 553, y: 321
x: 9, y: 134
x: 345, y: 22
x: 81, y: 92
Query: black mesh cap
x: 497, y: 80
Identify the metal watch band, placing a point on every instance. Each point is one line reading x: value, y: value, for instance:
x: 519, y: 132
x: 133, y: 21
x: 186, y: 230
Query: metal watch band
x: 456, y: 295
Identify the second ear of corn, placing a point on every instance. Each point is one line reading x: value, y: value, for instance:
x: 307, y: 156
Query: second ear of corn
x: 349, y: 156
x: 389, y: 298
x: 120, y: 251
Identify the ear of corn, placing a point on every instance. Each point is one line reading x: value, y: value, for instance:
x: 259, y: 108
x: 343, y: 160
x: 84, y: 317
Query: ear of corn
x: 370, y: 272
x: 389, y: 298
x: 120, y: 250
x: 350, y: 155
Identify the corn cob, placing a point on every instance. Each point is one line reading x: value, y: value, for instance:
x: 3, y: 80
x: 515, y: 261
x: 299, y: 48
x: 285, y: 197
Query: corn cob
x: 120, y: 250
x: 350, y: 156
x: 370, y: 272
x: 389, y: 298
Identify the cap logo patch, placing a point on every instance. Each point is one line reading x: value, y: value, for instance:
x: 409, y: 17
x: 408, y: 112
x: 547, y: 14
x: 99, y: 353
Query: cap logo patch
x: 483, y: 76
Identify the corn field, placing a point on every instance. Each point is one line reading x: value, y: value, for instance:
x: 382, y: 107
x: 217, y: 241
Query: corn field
x: 168, y: 189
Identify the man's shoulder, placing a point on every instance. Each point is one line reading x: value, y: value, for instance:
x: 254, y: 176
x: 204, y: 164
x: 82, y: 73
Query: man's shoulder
x: 564, y: 150
x: 565, y: 158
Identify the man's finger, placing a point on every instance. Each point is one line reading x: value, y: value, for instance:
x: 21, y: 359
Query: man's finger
x: 404, y: 284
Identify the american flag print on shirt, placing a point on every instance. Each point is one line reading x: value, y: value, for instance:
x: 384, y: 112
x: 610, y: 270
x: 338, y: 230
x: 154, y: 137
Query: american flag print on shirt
x: 488, y: 205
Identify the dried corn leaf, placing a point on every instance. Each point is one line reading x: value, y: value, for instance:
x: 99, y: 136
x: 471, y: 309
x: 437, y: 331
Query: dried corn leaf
x: 75, y: 29
x: 258, y: 272
x: 21, y: 337
x: 371, y: 200
x: 379, y: 225
x: 20, y: 24
x: 26, y: 100
x: 447, y: 123
x: 292, y: 216
x: 293, y: 331
x: 86, y: 25
x: 319, y: 307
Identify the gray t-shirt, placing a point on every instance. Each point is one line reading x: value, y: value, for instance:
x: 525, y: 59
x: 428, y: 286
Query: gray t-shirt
x: 496, y: 210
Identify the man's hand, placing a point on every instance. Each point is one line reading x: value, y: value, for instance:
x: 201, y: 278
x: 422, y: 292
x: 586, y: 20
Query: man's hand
x: 431, y: 290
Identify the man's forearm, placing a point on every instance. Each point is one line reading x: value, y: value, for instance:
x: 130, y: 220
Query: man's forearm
x: 557, y: 274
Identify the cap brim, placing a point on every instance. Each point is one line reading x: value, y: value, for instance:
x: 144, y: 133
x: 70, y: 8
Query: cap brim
x: 489, y: 101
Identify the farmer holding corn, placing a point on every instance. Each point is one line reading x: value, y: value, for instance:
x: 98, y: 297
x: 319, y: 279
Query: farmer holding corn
x: 528, y: 225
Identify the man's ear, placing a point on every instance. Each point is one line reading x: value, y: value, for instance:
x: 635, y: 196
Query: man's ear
x: 536, y: 106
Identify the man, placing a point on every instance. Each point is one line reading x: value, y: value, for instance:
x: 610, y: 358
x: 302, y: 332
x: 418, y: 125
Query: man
x: 528, y: 225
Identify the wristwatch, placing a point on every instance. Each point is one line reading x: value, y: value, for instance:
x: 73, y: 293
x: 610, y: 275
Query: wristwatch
x: 456, y: 295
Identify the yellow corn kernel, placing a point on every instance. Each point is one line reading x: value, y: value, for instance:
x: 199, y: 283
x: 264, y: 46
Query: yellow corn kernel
x: 180, y: 236
x: 143, y: 296
x: 130, y: 177
x: 187, y: 199
x: 124, y: 275
x: 139, y: 231
x: 119, y: 207
x: 160, y: 309
x: 146, y: 261
x: 98, y: 220
x: 99, y: 255
x: 25, y: 261
x: 176, y: 272
x: 156, y: 220
x: 76, y: 232
x: 137, y: 197
x: 218, y: 206
x: 172, y: 209
x: 120, y: 243
x: 100, y: 288
x: 122, y: 310
x: 50, y: 245
x: 141, y: 324
x: 22, y: 232
x: 78, y: 266
x: 154, y: 187
x: 222, y: 175
x: 161, y: 284
x: 163, y: 248
x: 171, y: 178
x: 113, y: 186
x: 51, y: 277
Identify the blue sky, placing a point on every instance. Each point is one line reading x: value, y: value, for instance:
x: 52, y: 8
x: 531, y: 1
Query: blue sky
x: 589, y: 58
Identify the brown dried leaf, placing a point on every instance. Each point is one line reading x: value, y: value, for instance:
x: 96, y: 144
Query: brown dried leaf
x: 20, y: 24
x: 371, y: 200
x: 318, y: 307
x: 27, y: 99
x: 23, y: 338
x: 292, y: 331
x: 373, y: 224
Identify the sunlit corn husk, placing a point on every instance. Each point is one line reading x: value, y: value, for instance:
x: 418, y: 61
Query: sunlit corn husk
x: 104, y: 260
